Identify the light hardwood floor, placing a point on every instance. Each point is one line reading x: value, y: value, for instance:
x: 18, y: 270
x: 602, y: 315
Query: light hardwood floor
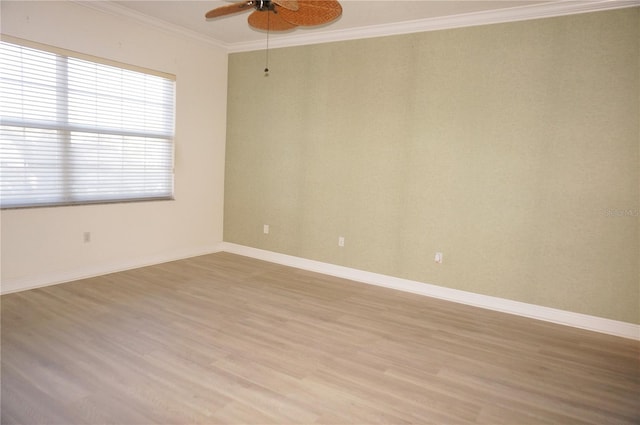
x: 224, y: 339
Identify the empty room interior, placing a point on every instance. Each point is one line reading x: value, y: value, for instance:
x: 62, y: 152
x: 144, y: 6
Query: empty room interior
x: 436, y: 224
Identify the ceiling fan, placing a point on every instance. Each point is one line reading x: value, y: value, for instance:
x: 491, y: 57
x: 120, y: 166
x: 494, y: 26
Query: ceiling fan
x: 282, y: 15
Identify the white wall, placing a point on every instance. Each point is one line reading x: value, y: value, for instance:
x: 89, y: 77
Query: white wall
x: 42, y: 246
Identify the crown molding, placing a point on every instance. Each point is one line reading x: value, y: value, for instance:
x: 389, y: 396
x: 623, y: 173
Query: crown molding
x: 521, y: 13
x: 118, y: 10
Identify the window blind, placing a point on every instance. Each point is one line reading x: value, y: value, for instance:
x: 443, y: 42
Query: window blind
x: 74, y: 131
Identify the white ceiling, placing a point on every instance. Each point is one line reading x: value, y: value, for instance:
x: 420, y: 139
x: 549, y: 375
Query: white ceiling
x: 360, y: 18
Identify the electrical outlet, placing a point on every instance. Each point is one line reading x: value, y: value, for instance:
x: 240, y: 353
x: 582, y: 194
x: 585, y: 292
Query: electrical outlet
x: 340, y: 240
x: 265, y: 229
x: 438, y: 258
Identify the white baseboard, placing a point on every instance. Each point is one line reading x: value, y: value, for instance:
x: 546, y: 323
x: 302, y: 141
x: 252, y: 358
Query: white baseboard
x: 38, y: 281
x: 577, y: 320
x: 562, y: 317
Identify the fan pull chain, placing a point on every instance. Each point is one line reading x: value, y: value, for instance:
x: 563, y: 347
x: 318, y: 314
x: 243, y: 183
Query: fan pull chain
x: 266, y: 67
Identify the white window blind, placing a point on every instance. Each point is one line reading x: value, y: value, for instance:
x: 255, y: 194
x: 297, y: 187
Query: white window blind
x: 74, y: 131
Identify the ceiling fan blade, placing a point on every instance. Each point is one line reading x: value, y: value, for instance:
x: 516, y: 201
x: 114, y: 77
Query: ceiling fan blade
x: 312, y: 12
x: 229, y: 9
x: 269, y: 21
x: 287, y: 4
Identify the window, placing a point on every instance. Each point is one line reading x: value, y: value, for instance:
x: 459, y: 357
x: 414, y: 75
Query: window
x: 75, y: 130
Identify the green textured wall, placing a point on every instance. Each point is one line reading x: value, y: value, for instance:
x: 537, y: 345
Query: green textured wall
x: 511, y: 148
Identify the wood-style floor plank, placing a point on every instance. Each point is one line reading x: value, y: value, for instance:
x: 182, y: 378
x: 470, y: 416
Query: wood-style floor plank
x: 225, y: 339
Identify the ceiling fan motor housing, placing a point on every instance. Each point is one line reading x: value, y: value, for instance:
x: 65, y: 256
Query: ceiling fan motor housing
x: 264, y: 5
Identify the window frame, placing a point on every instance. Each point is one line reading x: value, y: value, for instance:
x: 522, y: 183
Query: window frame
x: 65, y: 142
